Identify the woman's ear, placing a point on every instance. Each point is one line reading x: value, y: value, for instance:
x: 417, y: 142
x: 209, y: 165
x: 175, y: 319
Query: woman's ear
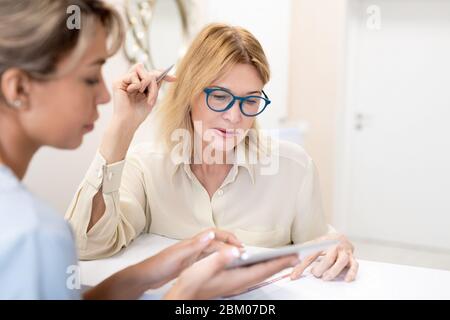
x: 15, y: 85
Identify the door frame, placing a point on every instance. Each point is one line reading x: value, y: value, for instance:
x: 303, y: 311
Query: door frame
x: 345, y: 120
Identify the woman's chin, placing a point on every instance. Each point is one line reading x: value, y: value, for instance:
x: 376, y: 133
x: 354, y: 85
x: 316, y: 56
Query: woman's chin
x: 69, y: 144
x: 224, y: 145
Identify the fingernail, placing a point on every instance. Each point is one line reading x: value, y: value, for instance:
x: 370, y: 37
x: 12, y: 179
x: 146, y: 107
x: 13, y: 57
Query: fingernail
x: 349, y: 279
x: 295, y: 262
x: 235, y: 252
x: 326, y: 277
x: 208, y: 237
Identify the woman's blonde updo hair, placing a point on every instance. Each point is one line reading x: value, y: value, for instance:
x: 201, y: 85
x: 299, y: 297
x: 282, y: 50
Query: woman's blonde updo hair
x: 213, y: 52
x: 34, y: 34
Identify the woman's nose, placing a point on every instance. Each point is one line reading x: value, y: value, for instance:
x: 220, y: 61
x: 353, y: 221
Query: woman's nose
x: 233, y: 114
x: 103, y: 96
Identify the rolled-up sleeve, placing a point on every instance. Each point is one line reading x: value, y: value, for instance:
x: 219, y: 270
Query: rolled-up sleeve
x: 309, y: 222
x: 126, y: 213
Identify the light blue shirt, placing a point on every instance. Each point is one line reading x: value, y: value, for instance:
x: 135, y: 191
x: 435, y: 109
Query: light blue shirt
x: 37, y: 253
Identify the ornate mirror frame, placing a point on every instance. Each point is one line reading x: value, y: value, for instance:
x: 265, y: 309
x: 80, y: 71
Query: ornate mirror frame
x: 140, y: 14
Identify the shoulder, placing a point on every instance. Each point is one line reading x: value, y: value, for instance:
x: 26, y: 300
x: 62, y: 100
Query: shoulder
x: 151, y: 158
x: 24, y: 215
x: 146, y: 151
x: 36, y: 243
x: 289, y: 153
x: 295, y: 153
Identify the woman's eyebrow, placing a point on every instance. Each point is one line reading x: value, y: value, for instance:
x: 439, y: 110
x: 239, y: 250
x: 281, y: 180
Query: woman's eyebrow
x: 228, y: 90
x: 100, y: 61
x: 253, y: 92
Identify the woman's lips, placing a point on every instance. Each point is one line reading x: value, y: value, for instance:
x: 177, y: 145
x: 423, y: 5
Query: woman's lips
x: 89, y: 127
x: 225, y: 133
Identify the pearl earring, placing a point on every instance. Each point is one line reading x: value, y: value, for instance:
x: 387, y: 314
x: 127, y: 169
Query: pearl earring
x: 17, y: 103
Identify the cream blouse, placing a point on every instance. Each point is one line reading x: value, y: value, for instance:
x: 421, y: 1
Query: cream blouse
x: 271, y: 203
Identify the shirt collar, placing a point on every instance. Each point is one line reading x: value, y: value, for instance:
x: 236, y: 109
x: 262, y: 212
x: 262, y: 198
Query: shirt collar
x: 180, y: 156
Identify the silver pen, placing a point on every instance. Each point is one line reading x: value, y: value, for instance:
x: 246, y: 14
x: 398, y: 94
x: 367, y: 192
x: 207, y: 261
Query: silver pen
x: 164, y: 74
x: 160, y: 77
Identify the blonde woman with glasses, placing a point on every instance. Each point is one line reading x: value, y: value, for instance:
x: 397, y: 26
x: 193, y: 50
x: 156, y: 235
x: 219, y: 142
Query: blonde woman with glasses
x: 50, y: 86
x: 207, y: 165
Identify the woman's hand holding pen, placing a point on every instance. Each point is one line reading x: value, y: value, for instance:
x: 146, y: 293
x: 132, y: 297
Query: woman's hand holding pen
x: 134, y: 96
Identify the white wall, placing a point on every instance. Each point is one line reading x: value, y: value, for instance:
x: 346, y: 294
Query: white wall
x: 316, y: 68
x: 397, y: 162
x: 54, y: 174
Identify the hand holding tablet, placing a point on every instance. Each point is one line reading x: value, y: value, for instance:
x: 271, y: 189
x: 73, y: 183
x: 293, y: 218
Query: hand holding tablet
x: 303, y: 250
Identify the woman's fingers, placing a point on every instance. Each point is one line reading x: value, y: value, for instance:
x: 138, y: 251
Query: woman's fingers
x: 216, y: 242
x: 191, y: 283
x: 169, y: 78
x: 227, y: 237
x: 128, y: 80
x: 193, y: 248
x: 340, y: 264
x: 215, y: 246
x: 145, y: 76
x: 211, y: 265
x: 145, y: 83
x: 134, y: 82
x: 353, y: 270
x: 328, y: 260
x: 138, y: 79
x: 152, y: 92
x: 222, y: 240
x: 300, y: 268
x: 234, y: 281
x: 142, y: 81
x: 243, y: 278
x: 184, y: 253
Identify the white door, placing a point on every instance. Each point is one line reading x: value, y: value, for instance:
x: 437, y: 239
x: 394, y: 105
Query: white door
x: 398, y: 96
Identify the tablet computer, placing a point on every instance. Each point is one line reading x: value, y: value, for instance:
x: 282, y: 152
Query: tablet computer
x: 303, y: 250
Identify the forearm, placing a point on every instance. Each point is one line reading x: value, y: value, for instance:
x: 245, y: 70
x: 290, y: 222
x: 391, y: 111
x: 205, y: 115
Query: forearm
x: 177, y: 293
x: 116, y: 140
x: 113, y: 148
x: 97, y: 203
x: 129, y: 283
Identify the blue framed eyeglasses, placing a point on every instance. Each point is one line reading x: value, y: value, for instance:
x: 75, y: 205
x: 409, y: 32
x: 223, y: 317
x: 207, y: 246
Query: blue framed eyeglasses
x: 221, y: 100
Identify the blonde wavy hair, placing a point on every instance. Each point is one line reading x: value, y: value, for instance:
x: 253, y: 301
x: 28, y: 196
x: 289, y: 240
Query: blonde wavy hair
x: 216, y: 49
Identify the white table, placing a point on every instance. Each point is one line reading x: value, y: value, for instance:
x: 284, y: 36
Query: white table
x: 375, y: 280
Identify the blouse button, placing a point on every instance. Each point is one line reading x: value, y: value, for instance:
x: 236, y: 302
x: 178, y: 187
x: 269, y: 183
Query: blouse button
x: 220, y: 192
